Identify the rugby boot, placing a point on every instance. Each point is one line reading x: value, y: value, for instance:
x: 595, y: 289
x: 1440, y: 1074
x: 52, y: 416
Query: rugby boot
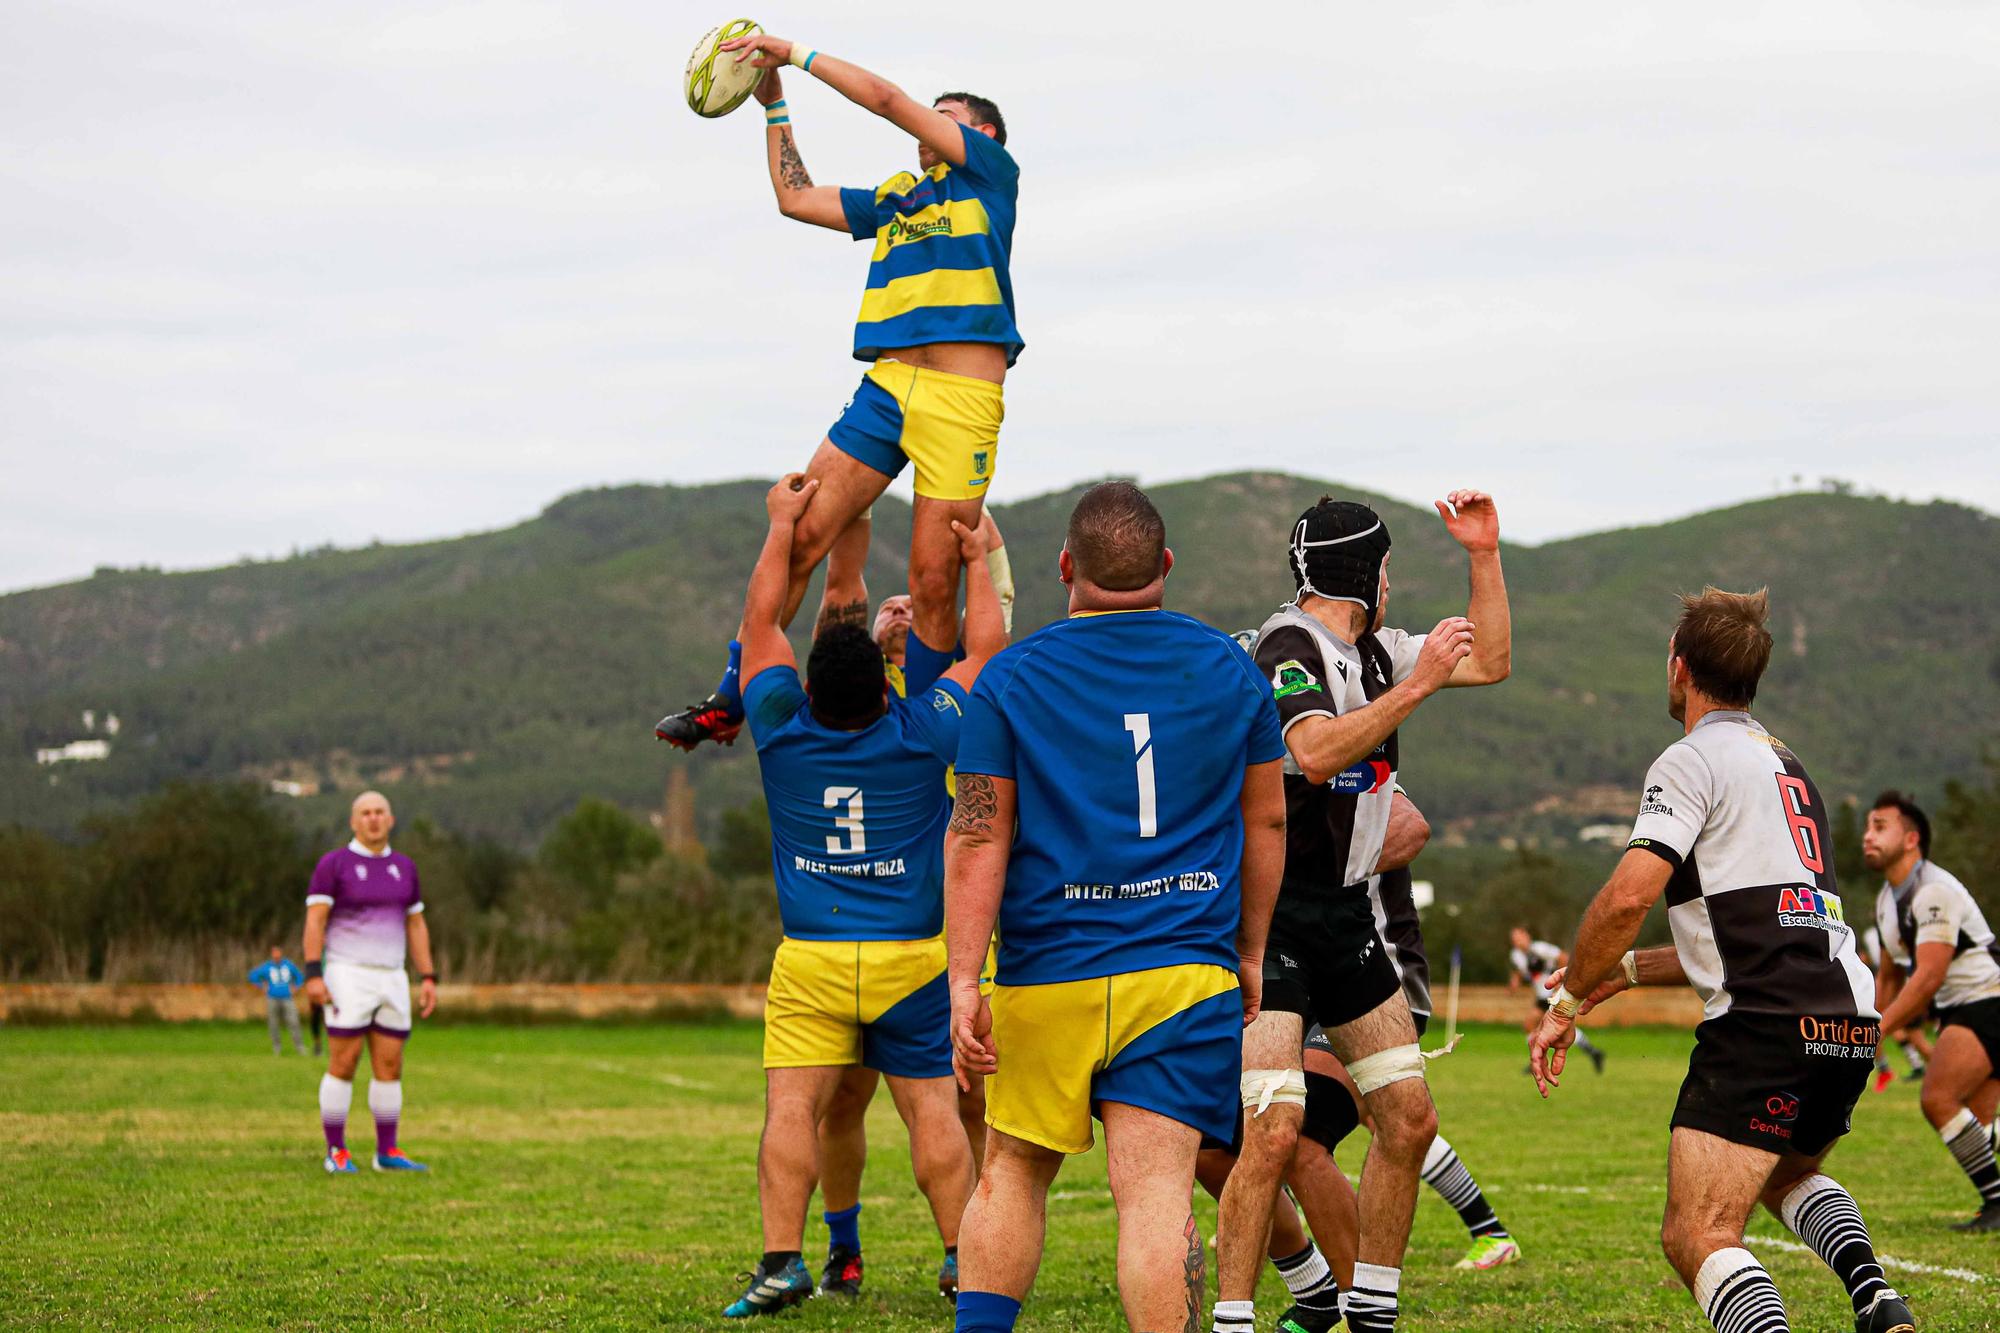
x: 769, y: 1293
x: 1986, y: 1219
x: 842, y: 1274
x: 710, y: 720
x: 1597, y: 1059
x: 1887, y: 1315
x: 394, y: 1160
x: 1490, y: 1252
x: 338, y: 1163
x: 1884, y: 1076
x: 948, y: 1277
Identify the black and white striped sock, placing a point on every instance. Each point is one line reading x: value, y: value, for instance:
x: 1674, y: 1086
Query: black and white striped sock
x: 1447, y: 1175
x: 1738, y: 1296
x: 1309, y: 1280
x: 1235, y: 1317
x: 1972, y: 1144
x: 1370, y: 1305
x: 1824, y: 1216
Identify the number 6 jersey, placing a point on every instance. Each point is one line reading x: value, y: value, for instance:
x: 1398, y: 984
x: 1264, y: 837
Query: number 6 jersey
x: 857, y: 817
x: 1756, y: 915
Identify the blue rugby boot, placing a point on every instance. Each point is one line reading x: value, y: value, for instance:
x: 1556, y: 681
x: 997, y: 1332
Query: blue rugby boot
x: 394, y: 1160
x: 769, y: 1293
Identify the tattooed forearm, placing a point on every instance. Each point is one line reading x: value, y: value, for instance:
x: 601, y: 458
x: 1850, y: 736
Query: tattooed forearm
x: 791, y: 168
x: 841, y: 613
x: 977, y: 803
x: 1195, y: 1286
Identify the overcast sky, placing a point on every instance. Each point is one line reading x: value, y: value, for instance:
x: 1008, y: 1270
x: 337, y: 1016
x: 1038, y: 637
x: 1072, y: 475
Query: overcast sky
x: 276, y: 274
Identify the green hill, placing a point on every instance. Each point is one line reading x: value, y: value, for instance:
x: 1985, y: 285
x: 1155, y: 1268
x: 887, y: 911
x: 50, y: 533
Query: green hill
x: 491, y: 680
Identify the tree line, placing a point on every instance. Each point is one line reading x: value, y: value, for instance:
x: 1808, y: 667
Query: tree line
x: 195, y: 880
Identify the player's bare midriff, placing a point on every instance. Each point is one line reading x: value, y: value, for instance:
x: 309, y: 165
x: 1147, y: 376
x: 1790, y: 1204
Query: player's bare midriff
x: 979, y: 361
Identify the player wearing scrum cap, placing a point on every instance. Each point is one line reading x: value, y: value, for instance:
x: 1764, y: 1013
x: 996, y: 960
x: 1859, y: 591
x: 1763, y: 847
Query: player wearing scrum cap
x: 1732, y: 830
x: 936, y: 324
x: 1926, y: 915
x: 1343, y: 684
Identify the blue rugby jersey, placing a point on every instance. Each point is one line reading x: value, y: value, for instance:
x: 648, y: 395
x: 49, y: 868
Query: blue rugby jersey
x: 857, y: 817
x: 1127, y: 735
x: 942, y: 242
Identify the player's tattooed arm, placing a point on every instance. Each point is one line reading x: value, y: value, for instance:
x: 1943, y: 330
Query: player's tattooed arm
x: 798, y: 197
x: 972, y: 813
x: 841, y: 613
x: 1193, y: 1271
x: 791, y: 167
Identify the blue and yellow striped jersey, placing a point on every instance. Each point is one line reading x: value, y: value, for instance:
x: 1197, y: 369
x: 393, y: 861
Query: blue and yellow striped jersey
x: 942, y: 241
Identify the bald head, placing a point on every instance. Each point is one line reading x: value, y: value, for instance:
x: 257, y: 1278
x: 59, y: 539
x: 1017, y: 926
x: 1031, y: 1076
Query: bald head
x: 371, y: 819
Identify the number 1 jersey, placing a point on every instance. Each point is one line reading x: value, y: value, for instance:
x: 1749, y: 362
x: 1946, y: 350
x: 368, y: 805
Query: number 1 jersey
x: 1756, y: 915
x: 1126, y: 734
x: 857, y: 817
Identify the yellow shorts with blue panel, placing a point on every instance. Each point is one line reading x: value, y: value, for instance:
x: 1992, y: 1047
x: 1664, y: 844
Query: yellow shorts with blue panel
x: 879, y: 1003
x: 1168, y: 1040
x: 948, y: 425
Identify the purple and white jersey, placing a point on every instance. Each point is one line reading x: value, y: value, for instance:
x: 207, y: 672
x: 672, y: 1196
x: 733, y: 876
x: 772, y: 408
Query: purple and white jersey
x: 372, y: 898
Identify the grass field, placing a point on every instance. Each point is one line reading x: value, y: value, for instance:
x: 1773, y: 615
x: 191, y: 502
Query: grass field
x: 602, y: 1177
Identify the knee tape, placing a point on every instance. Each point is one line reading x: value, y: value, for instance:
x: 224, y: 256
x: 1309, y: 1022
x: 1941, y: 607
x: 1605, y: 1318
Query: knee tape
x: 1385, y: 1067
x: 1261, y: 1087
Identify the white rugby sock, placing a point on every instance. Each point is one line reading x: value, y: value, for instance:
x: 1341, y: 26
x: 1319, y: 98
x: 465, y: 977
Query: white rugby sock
x: 1235, y: 1317
x: 1309, y: 1280
x: 1825, y: 1216
x: 1972, y: 1144
x: 1370, y: 1305
x: 385, y: 1099
x: 335, y: 1096
x: 1737, y: 1295
x: 1446, y: 1174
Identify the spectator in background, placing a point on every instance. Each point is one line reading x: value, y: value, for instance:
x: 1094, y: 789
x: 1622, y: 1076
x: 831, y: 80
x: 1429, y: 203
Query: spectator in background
x: 280, y: 980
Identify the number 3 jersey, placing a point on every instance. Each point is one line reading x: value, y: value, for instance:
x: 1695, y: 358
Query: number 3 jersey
x: 1756, y: 915
x: 857, y: 817
x: 1126, y: 735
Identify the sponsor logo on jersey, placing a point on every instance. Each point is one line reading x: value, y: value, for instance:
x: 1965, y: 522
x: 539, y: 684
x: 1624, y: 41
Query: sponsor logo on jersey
x: 1782, y: 1106
x: 361, y: 872
x: 903, y: 229
x: 395, y: 871
x: 1370, y: 775
x: 1651, y: 804
x: 1810, y: 907
x: 1292, y: 677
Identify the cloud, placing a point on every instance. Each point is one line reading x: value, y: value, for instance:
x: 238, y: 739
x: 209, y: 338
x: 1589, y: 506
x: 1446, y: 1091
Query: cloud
x: 276, y: 275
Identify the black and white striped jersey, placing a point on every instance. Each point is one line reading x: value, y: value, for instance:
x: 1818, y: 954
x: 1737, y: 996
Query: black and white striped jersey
x: 1932, y: 907
x: 1334, y: 829
x: 1756, y: 915
x: 1535, y: 963
x: 1393, y: 900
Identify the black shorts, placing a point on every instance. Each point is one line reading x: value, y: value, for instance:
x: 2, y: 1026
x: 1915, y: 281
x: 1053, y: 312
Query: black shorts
x: 1776, y: 1082
x: 1982, y: 1019
x: 1324, y: 960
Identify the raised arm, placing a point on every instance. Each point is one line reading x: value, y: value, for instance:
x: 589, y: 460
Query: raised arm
x: 1322, y: 745
x: 798, y: 197
x: 1474, y: 523
x: 871, y: 92
x: 764, y: 641
x: 985, y: 622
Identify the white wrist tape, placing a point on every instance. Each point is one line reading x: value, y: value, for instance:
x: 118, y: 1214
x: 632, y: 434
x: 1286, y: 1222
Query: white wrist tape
x: 1385, y: 1067
x: 775, y: 114
x: 1562, y: 1004
x: 1630, y: 962
x: 1261, y: 1087
x: 802, y: 57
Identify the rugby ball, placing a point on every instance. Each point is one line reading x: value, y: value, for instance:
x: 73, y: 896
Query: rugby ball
x: 716, y: 82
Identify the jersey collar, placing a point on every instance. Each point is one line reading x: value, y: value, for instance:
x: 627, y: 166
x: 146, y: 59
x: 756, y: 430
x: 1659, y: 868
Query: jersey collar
x: 354, y: 845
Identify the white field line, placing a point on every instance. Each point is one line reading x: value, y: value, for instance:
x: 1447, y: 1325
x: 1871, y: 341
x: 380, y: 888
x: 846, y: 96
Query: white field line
x: 670, y: 1080
x: 1905, y: 1265
x: 1558, y: 1189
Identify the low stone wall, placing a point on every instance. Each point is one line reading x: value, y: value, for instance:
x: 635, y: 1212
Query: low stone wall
x: 1676, y: 1007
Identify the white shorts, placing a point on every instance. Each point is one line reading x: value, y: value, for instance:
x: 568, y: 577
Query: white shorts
x: 367, y: 999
